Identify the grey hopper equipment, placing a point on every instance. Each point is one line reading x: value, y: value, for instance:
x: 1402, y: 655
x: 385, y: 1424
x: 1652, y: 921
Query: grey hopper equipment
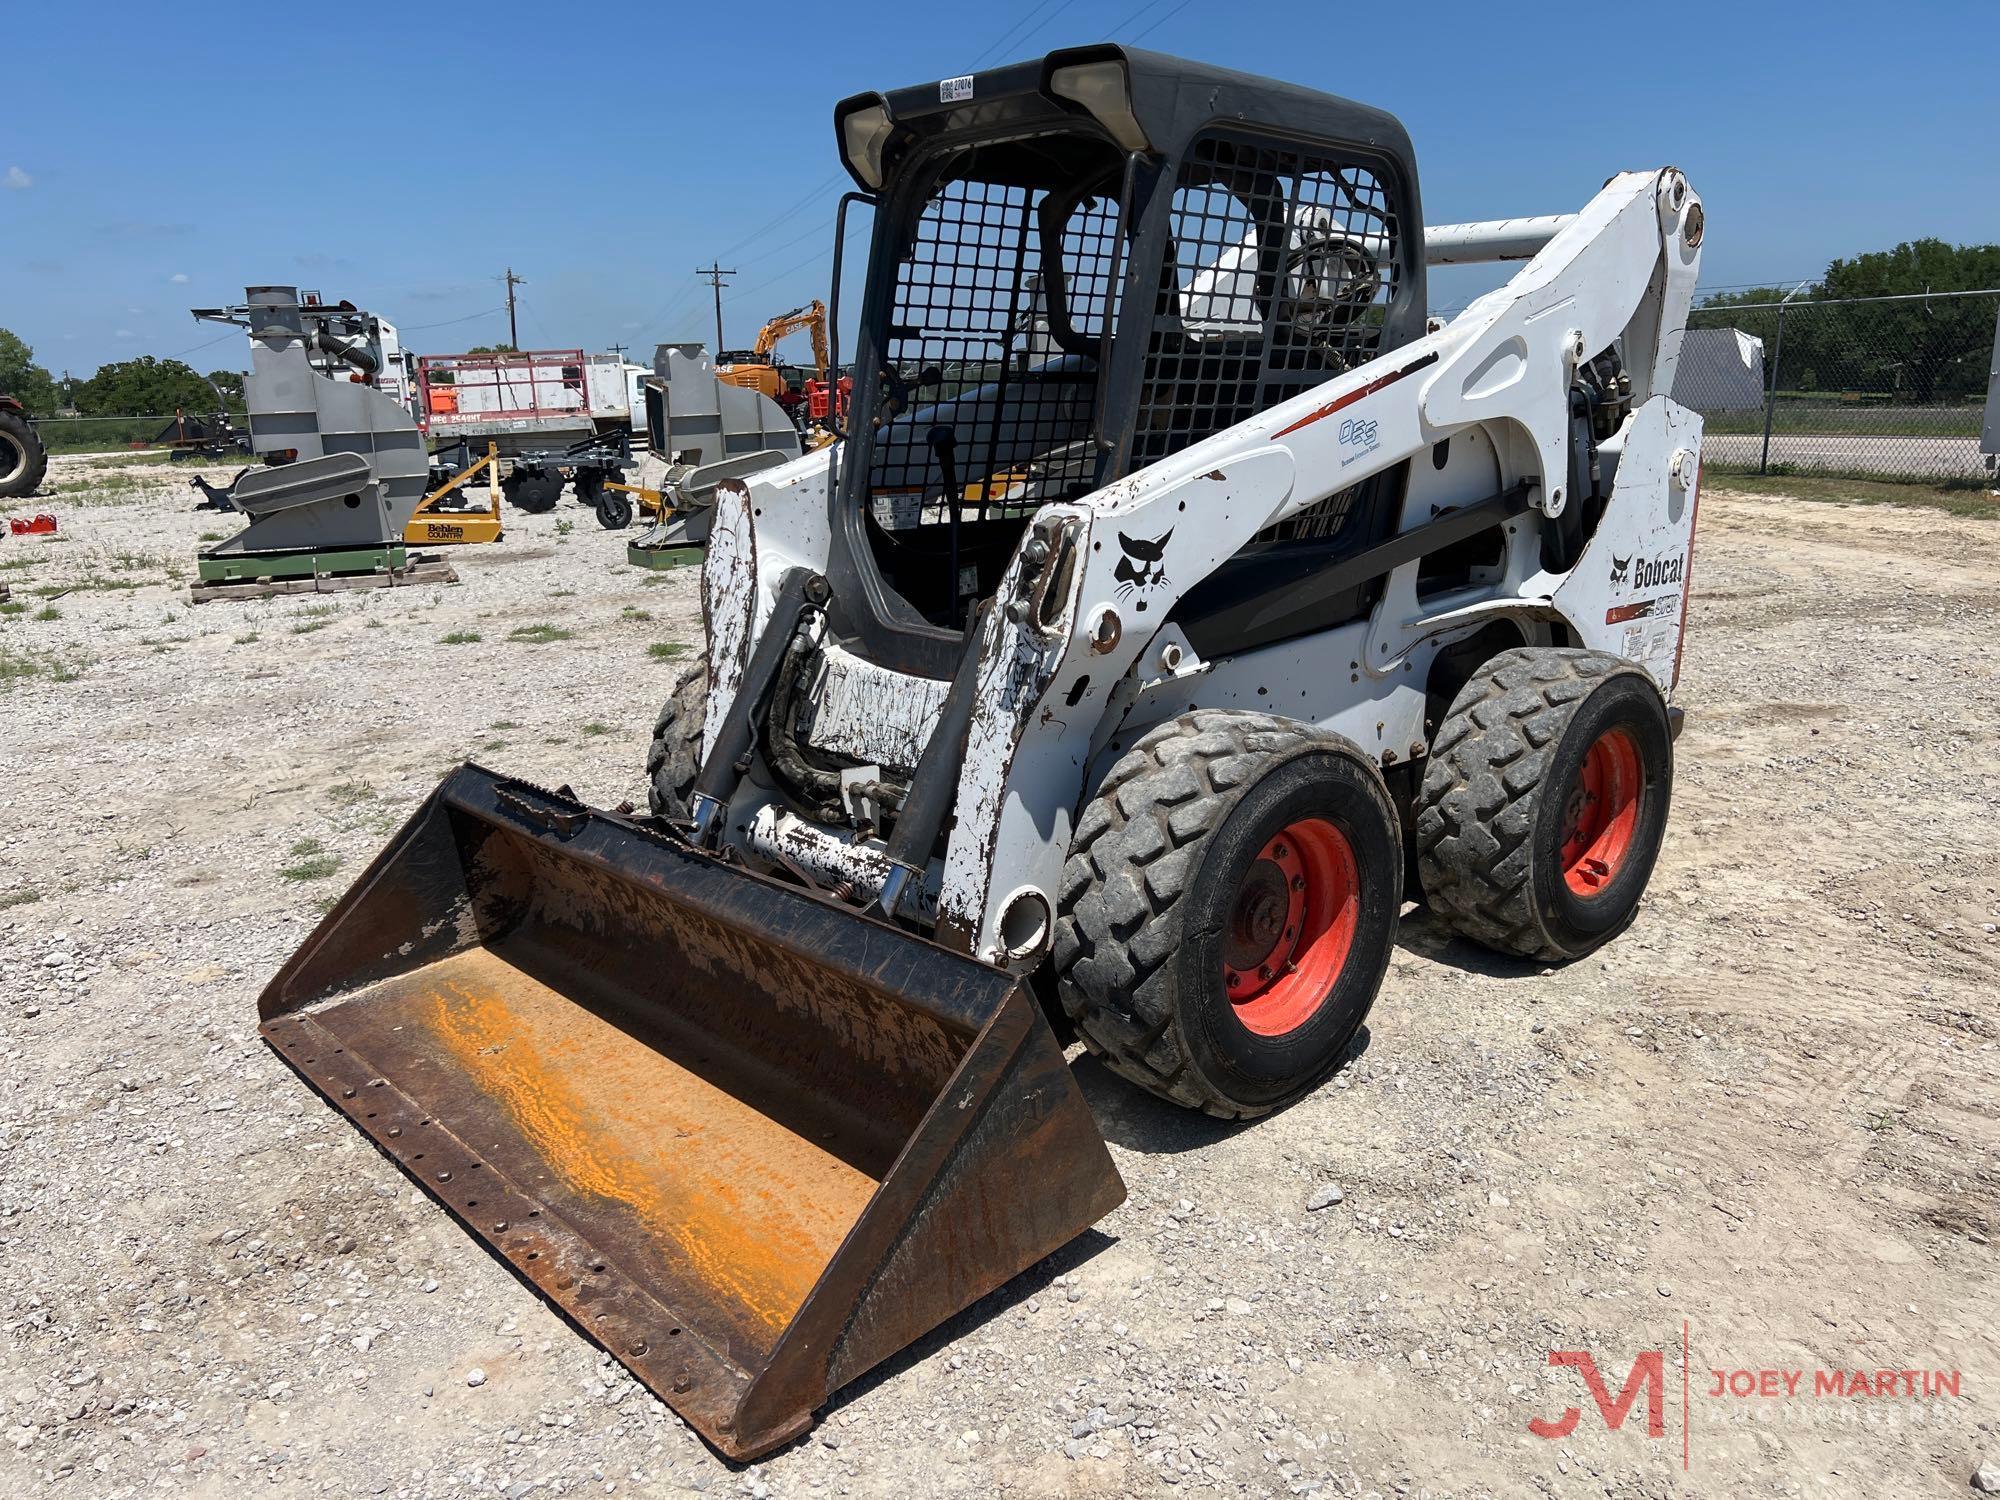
x: 344, y: 465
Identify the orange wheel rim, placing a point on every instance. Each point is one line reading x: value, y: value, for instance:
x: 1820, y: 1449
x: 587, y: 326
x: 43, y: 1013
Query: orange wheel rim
x: 1602, y: 813
x: 1291, y: 927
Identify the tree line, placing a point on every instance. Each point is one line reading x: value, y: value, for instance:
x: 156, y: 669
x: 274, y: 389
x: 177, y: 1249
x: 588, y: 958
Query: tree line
x: 142, y: 387
x: 1923, y: 352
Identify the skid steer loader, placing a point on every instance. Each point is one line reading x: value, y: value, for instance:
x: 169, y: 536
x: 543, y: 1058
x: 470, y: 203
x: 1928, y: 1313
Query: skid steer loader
x: 1176, y: 586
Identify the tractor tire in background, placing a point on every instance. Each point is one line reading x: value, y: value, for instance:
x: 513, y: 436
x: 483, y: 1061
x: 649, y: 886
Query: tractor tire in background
x: 674, y: 760
x: 1545, y: 801
x: 537, y: 494
x: 1228, y: 909
x: 23, y: 459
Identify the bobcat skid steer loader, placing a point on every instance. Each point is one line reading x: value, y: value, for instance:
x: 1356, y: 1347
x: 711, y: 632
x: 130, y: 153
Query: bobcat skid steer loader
x: 1172, y: 579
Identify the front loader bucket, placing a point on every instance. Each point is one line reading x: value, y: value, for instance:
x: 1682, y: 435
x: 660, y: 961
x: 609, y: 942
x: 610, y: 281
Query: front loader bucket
x: 749, y: 1140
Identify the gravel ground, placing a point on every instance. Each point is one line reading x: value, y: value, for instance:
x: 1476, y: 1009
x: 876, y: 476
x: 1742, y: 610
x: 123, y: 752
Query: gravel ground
x: 1764, y: 1119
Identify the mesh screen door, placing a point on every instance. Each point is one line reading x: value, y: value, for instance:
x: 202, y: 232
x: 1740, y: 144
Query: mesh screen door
x: 990, y: 359
x: 1280, y: 272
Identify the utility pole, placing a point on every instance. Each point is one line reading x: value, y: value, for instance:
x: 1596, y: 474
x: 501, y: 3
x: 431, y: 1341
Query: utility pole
x: 513, y: 333
x: 714, y: 272
x: 618, y: 349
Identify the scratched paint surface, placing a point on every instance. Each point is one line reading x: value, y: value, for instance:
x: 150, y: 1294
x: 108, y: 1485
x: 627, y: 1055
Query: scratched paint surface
x: 737, y: 1208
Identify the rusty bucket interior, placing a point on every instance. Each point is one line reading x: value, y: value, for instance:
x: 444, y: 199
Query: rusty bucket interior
x: 749, y: 1140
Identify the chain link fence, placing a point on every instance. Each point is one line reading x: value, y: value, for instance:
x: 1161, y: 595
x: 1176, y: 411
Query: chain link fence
x: 1874, y: 388
x: 110, y: 433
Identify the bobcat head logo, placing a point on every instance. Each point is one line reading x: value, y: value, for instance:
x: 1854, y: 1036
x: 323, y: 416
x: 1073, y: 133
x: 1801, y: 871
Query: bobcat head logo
x: 1140, y: 567
x: 1620, y: 566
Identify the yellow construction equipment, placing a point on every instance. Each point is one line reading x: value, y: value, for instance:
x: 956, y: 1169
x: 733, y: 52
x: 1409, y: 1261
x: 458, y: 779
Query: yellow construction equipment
x: 446, y: 525
x: 756, y: 368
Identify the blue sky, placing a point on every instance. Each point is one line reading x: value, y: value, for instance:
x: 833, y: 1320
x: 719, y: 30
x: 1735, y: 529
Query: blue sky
x: 403, y: 156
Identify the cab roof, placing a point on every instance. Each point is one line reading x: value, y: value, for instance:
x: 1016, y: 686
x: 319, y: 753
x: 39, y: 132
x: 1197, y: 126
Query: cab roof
x: 1171, y: 99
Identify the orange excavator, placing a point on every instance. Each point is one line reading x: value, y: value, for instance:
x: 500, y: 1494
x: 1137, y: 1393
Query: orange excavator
x: 757, y: 368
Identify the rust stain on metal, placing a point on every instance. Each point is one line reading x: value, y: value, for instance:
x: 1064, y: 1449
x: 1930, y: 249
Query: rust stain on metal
x: 753, y: 1210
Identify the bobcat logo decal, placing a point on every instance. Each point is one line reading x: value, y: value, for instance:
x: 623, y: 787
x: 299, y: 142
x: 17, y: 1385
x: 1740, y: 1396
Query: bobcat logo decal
x: 1619, y: 567
x: 1140, y: 567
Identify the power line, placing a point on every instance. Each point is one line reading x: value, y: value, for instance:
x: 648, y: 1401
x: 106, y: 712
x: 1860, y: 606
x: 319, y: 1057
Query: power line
x: 676, y: 305
x: 796, y: 240
x: 1146, y: 6
x: 208, y: 345
x: 1007, y: 38
x: 762, y: 229
x: 1163, y: 20
x: 451, y: 322
x: 813, y: 260
x: 535, y: 318
x: 1042, y: 25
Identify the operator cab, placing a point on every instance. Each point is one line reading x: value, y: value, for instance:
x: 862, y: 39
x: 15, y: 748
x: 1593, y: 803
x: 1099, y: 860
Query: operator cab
x: 1008, y: 356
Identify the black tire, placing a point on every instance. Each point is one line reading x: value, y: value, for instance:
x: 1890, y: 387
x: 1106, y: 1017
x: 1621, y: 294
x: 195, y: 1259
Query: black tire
x: 537, y: 494
x: 614, y: 509
x: 1163, y: 859
x: 674, y: 760
x: 1505, y: 792
x: 23, y: 459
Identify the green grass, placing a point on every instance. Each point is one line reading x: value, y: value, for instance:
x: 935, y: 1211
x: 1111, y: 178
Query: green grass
x: 1954, y: 499
x: 246, y: 639
x: 17, y: 666
x: 504, y: 724
x: 307, y: 627
x: 666, y: 650
x: 22, y: 896
x: 540, y: 635
x: 347, y: 793
x: 12, y: 607
x: 309, y: 861
x: 630, y: 613
x: 1855, y: 419
x: 597, y: 726
x: 459, y: 638
x: 113, y: 487
x: 48, y: 612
